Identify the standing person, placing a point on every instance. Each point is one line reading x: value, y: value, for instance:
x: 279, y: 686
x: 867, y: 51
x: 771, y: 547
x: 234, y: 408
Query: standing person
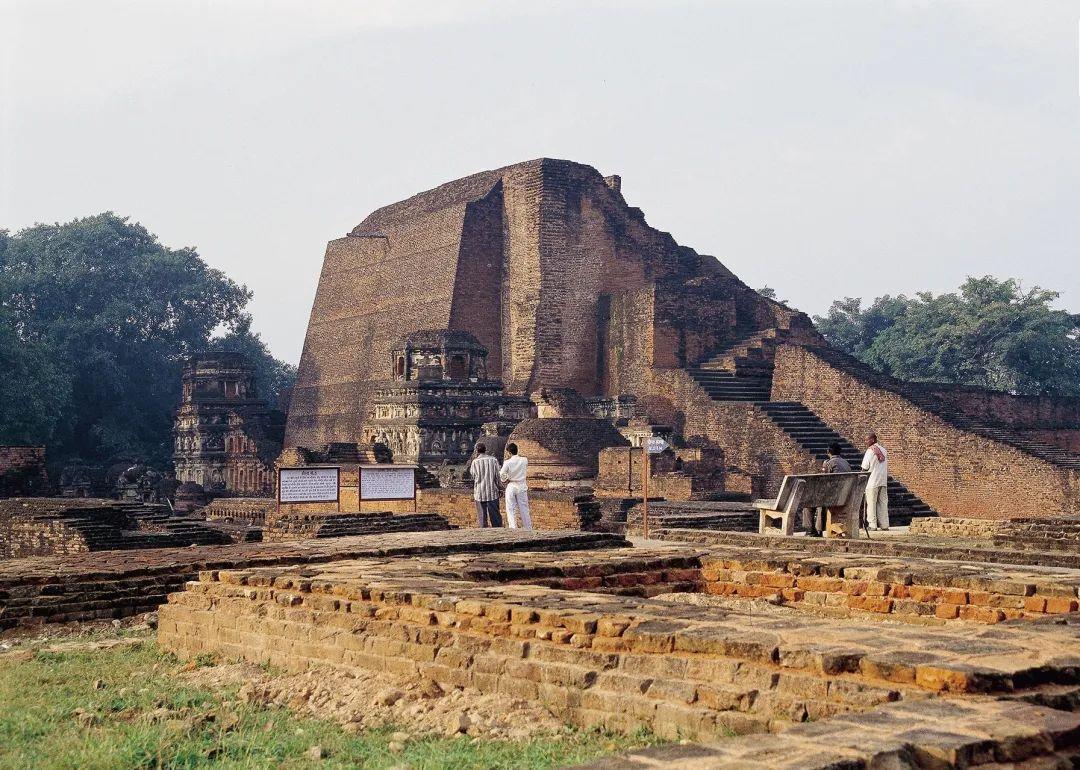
x: 834, y: 464
x: 485, y: 474
x: 513, y: 472
x: 876, y: 460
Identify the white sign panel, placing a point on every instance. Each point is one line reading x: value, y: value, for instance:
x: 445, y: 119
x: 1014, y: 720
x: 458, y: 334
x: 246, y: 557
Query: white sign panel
x: 656, y: 445
x: 308, y: 485
x: 387, y: 482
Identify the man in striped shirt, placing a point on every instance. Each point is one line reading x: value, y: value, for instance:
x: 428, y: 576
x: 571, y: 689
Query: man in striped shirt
x: 485, y: 475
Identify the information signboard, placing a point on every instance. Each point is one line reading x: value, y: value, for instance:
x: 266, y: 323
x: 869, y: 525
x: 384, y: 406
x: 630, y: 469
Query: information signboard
x: 387, y: 482
x: 310, y: 484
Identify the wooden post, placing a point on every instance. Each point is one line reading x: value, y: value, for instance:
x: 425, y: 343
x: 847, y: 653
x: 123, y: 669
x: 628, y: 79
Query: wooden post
x: 645, y: 490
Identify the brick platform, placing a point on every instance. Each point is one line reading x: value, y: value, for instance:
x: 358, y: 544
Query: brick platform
x: 993, y: 734
x: 948, y: 549
x: 603, y: 659
x: 113, y: 584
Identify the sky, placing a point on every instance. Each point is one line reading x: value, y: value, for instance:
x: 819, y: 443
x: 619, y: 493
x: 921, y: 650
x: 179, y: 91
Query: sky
x: 825, y: 149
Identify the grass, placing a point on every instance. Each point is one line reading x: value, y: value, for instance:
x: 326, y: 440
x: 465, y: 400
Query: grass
x: 53, y: 716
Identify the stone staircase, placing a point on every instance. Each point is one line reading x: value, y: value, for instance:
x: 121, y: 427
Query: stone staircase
x: 114, y: 525
x: 728, y: 386
x: 813, y: 435
x: 742, y: 372
x: 751, y: 355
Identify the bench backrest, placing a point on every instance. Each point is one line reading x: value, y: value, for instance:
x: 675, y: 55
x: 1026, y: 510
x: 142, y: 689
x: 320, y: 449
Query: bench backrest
x: 814, y: 490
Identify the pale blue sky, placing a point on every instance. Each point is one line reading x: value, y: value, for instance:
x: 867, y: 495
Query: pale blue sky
x: 822, y: 148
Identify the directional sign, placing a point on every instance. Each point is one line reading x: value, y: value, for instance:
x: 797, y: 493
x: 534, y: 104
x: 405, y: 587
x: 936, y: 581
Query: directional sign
x: 656, y: 445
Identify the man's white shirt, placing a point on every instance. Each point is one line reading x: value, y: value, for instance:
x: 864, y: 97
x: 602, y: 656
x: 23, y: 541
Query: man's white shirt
x: 514, y: 470
x: 879, y: 469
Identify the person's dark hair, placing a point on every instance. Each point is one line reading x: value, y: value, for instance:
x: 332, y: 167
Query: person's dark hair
x: 834, y: 449
x: 480, y: 449
x: 511, y: 448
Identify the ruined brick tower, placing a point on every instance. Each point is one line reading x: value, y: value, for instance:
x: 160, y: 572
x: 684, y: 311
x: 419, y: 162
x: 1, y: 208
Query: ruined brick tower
x: 544, y: 263
x: 225, y: 436
x: 566, y: 286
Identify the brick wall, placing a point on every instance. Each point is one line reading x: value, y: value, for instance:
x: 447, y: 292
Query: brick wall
x: 246, y: 510
x: 975, y: 529
x: 550, y: 509
x: 23, y: 536
x: 757, y: 454
x: 956, y: 472
x: 22, y: 470
x: 991, y: 407
x: 1063, y: 438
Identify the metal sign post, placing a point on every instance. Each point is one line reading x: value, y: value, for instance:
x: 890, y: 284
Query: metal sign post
x: 654, y: 445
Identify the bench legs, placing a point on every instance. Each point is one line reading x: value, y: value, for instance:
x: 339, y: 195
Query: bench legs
x: 766, y: 519
x: 847, y: 526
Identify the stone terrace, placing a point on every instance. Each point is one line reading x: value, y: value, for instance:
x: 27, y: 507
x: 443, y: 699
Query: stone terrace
x: 598, y: 658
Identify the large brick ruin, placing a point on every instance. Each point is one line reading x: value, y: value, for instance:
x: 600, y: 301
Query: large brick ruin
x: 532, y: 304
x: 565, y: 286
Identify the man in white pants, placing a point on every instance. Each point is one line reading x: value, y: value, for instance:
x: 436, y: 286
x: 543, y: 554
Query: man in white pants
x: 876, y: 460
x: 512, y: 473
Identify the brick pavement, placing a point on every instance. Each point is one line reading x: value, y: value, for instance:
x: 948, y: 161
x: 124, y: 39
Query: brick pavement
x: 599, y: 658
x: 112, y: 584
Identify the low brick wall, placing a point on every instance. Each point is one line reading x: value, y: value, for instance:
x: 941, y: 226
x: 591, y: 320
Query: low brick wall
x: 918, y: 590
x: 550, y: 509
x: 251, y: 511
x: 923, y: 591
x: 39, y: 526
x: 974, y: 529
x: 958, y: 473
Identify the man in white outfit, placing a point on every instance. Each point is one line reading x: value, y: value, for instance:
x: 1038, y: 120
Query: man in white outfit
x: 876, y: 460
x: 512, y: 473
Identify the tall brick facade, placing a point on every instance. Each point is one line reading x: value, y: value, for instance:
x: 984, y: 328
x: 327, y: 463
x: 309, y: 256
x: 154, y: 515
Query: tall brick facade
x: 545, y: 263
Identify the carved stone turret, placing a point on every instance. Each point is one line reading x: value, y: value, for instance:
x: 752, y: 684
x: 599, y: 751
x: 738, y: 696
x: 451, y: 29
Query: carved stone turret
x: 434, y: 407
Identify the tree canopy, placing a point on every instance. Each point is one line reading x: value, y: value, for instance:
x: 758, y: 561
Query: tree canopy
x: 96, y: 317
x: 992, y: 333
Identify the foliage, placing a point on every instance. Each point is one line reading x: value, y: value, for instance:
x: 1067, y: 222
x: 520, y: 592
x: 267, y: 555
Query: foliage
x: 141, y: 714
x: 272, y: 377
x: 992, y: 333
x: 96, y: 316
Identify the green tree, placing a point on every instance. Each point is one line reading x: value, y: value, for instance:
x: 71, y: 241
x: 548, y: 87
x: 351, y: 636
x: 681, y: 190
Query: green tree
x: 272, y: 377
x: 96, y: 318
x: 992, y: 333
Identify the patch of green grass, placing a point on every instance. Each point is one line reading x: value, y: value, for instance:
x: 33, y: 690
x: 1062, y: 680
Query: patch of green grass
x: 52, y: 716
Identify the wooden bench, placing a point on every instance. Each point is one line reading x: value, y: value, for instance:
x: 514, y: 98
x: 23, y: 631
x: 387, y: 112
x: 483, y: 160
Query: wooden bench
x: 841, y: 493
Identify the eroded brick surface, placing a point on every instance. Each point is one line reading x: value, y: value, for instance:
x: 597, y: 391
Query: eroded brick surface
x: 111, y: 584
x: 598, y: 657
